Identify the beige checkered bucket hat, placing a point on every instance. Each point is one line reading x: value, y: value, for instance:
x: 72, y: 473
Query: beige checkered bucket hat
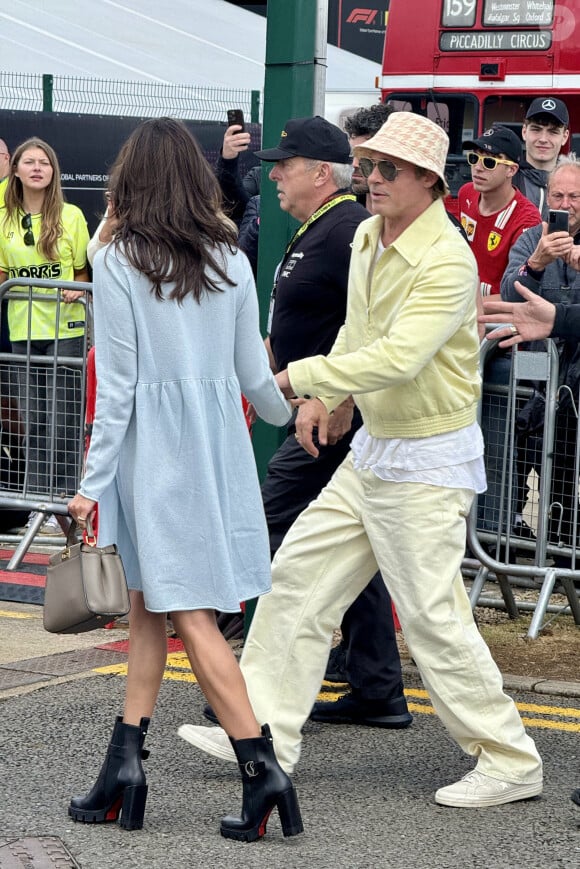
x: 412, y: 138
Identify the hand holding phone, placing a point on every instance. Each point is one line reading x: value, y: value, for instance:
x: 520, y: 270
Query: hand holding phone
x: 558, y: 220
x: 236, y: 116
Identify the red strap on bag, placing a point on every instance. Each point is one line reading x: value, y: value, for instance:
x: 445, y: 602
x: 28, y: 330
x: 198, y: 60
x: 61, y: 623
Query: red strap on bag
x: 89, y: 419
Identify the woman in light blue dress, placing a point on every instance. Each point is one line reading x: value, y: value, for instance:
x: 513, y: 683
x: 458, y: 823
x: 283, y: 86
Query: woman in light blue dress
x: 170, y: 462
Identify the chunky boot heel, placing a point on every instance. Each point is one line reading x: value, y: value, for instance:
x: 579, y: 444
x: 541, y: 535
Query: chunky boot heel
x: 133, y: 808
x: 121, y: 788
x: 289, y: 811
x: 265, y: 786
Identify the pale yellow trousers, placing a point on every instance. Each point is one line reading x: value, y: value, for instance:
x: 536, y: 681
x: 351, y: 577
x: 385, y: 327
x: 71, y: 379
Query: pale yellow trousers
x: 415, y: 533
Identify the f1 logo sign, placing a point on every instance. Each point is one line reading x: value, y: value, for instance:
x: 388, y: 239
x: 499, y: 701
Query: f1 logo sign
x: 365, y: 15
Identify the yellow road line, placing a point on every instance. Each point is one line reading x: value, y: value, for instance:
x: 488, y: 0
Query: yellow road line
x: 551, y: 725
x: 178, y: 670
x: 566, y: 711
x: 9, y: 614
x: 539, y: 709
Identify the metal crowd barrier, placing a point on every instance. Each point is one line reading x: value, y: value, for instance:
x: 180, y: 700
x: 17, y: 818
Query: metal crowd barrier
x: 42, y: 420
x: 530, y: 429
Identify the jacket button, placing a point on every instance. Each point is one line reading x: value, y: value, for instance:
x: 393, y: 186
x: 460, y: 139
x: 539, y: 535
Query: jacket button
x: 307, y: 396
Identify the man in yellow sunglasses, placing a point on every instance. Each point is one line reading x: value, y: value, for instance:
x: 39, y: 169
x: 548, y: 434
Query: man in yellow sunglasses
x: 493, y: 213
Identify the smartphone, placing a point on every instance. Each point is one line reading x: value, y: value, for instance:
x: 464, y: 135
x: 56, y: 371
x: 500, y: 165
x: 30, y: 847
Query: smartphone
x: 558, y: 221
x: 236, y: 116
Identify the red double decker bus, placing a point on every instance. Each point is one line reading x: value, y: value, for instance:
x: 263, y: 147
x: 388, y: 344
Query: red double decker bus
x: 469, y: 64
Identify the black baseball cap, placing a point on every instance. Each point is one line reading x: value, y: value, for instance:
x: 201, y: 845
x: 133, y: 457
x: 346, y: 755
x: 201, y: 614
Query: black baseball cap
x: 549, y: 106
x: 315, y: 138
x: 498, y: 140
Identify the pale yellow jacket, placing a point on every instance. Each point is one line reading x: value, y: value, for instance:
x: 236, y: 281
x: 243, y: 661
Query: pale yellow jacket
x: 408, y: 351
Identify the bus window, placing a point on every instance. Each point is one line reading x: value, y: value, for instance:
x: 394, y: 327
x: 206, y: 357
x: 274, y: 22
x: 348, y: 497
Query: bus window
x: 456, y: 113
x: 401, y: 105
x: 509, y: 111
x: 439, y: 114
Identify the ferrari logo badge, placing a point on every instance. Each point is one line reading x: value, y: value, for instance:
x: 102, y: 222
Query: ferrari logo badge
x: 493, y: 240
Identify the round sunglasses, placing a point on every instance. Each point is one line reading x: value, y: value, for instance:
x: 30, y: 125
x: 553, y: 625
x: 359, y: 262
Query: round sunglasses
x: 387, y: 168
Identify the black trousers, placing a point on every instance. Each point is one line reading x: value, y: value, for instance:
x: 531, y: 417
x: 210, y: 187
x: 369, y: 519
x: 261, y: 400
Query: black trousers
x: 293, y: 480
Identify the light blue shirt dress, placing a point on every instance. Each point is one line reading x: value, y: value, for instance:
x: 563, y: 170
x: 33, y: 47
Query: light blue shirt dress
x: 170, y: 460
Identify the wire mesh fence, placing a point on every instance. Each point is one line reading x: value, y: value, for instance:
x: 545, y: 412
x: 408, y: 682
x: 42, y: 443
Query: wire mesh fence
x: 92, y: 96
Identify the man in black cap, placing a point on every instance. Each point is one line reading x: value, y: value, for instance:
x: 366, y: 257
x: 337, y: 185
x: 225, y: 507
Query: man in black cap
x: 312, y: 171
x: 545, y: 132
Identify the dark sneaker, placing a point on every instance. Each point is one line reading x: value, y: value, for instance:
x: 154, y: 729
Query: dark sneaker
x: 336, y: 667
x: 372, y: 713
x: 575, y: 797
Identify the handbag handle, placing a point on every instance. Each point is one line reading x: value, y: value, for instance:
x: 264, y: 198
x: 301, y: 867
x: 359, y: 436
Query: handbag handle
x: 71, y: 539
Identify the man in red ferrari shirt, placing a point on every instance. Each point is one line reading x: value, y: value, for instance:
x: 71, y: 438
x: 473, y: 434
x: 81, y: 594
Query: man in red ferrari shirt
x: 493, y: 213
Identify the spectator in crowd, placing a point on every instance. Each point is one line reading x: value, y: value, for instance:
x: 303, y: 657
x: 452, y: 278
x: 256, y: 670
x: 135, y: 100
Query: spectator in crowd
x: 408, y: 351
x: 241, y: 195
x: 177, y: 339
x: 545, y: 132
x: 359, y: 127
x: 494, y: 214
x: 43, y: 236
x: 312, y: 172
x: 237, y: 191
x: 548, y: 263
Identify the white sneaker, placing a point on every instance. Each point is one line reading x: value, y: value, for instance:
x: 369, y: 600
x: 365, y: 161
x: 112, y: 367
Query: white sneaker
x: 477, y: 791
x: 51, y: 526
x: 31, y: 517
x: 212, y: 740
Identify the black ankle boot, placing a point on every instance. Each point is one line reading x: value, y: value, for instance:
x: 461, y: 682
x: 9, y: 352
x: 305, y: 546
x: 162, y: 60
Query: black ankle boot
x: 121, y: 786
x: 265, y: 785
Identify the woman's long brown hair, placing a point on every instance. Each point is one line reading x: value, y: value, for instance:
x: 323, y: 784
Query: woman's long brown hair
x: 167, y: 205
x: 51, y: 212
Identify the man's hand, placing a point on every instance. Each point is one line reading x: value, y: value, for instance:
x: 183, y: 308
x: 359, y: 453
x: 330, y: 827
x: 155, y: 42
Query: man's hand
x: 532, y: 319
x: 312, y: 414
x: 234, y: 142
x: 573, y: 257
x: 340, y: 421
x: 550, y: 247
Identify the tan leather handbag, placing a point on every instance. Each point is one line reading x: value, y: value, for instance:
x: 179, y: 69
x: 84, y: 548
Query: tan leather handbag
x: 85, y: 586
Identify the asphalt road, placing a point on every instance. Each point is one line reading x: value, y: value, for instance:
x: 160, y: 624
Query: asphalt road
x: 366, y: 794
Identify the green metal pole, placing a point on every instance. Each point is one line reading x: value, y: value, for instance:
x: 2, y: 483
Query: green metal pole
x: 255, y: 108
x: 292, y: 83
x: 47, y: 87
x: 288, y: 93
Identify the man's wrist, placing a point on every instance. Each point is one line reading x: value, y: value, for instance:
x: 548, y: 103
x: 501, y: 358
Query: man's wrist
x: 535, y: 269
